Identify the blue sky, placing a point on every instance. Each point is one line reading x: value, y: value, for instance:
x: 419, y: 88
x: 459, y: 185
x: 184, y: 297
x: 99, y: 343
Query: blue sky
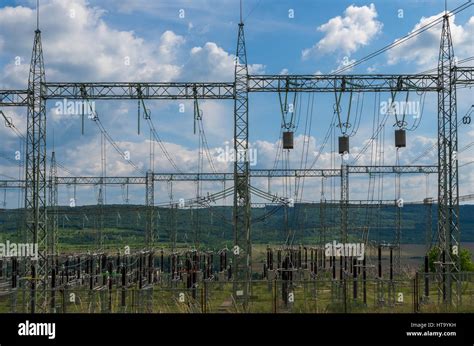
x: 195, y: 41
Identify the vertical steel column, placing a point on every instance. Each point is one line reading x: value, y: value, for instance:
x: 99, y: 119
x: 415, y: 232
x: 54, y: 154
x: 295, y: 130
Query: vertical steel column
x: 398, y: 231
x: 428, y: 202
x: 53, y: 204
x: 35, y: 173
x: 150, y: 214
x: 344, y: 201
x: 448, y: 192
x: 322, y: 222
x: 242, y: 242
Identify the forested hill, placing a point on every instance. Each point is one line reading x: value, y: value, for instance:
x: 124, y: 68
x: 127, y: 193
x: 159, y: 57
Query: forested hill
x: 213, y: 225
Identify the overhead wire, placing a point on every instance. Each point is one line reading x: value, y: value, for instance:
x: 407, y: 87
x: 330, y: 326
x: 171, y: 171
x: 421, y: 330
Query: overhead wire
x: 11, y: 125
x: 405, y: 38
x: 434, y: 146
x: 157, y: 137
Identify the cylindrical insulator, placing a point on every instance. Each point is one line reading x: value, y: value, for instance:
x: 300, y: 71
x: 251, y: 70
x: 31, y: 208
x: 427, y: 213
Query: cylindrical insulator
x: 391, y: 263
x: 124, y: 276
x: 288, y: 140
x: 343, y: 144
x: 104, y: 261
x: 400, y: 138
x: 380, y: 261
x: 162, y: 261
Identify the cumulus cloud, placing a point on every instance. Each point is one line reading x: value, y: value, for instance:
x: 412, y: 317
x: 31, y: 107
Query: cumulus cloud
x: 348, y: 33
x: 423, y: 49
x: 78, y: 43
x: 211, y: 62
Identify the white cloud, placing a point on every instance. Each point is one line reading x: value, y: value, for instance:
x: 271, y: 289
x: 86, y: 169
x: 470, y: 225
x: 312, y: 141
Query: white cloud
x: 423, y: 49
x: 78, y: 43
x: 169, y: 44
x: 347, y: 34
x: 343, y: 63
x: 212, y: 63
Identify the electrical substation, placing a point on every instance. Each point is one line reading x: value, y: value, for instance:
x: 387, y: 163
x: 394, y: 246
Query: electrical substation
x: 165, y: 271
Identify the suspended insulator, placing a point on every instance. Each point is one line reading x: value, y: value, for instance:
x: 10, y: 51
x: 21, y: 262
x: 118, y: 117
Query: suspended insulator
x: 288, y: 140
x: 400, y: 138
x: 343, y: 145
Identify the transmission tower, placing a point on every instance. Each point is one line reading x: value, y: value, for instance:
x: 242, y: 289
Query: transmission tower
x: 448, y: 193
x: 242, y: 246
x: 35, y: 196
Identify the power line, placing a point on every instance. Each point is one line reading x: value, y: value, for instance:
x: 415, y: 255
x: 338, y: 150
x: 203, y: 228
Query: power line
x: 404, y: 38
x: 9, y: 123
x: 95, y: 118
x: 157, y: 137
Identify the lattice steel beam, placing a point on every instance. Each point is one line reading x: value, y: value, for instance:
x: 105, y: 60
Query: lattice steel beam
x: 158, y: 91
x: 393, y: 169
x: 253, y: 173
x: 225, y: 90
x: 331, y: 83
x: 463, y: 75
x: 13, y: 98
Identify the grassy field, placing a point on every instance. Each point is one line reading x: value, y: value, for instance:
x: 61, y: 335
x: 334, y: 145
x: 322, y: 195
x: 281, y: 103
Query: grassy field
x: 311, y: 296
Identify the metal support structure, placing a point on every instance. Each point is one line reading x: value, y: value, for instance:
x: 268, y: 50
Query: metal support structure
x: 150, y: 214
x: 398, y: 234
x: 342, y: 83
x: 463, y: 76
x: 35, y: 168
x: 53, y: 206
x: 242, y: 244
x: 344, y: 201
x: 100, y: 217
x: 253, y: 173
x: 448, y: 190
x: 428, y: 202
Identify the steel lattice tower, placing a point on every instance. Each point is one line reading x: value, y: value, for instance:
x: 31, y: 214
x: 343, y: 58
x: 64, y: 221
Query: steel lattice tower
x: 53, y: 205
x: 35, y: 194
x: 242, y: 243
x: 448, y: 192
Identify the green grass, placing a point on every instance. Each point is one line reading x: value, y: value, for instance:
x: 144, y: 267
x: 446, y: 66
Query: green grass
x: 316, y: 296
